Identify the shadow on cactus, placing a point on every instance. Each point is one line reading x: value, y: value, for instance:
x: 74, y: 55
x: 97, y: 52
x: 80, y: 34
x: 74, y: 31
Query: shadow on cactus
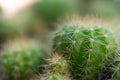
x: 21, y: 58
x: 88, y: 48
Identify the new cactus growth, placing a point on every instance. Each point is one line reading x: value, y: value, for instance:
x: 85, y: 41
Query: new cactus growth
x: 57, y: 69
x: 88, y: 48
x: 57, y: 63
x: 21, y: 58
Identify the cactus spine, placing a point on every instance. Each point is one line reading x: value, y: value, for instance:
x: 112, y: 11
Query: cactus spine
x: 21, y: 58
x: 57, y: 69
x: 88, y: 48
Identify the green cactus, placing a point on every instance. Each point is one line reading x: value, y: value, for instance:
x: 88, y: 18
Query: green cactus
x: 21, y: 58
x: 88, y: 48
x: 57, y: 63
x: 115, y: 67
x: 57, y: 69
x: 54, y: 76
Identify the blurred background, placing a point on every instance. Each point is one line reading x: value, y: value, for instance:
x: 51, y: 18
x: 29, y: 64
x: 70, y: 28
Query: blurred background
x: 37, y: 19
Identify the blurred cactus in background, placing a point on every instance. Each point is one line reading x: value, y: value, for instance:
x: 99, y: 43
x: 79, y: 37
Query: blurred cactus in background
x: 22, y: 57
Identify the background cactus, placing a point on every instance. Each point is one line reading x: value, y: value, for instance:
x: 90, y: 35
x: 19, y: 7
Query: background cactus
x: 57, y: 69
x: 21, y: 57
x: 88, y: 48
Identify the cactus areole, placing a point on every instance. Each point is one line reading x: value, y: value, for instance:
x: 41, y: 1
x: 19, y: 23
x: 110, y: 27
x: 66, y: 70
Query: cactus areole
x: 88, y: 48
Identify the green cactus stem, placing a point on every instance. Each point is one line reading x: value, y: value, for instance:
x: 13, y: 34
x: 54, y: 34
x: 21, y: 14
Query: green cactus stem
x: 88, y: 48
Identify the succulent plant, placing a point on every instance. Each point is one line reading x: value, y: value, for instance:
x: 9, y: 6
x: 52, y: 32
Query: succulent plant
x: 22, y: 57
x: 54, y: 76
x: 115, y: 68
x: 57, y: 69
x: 57, y: 63
x: 89, y: 49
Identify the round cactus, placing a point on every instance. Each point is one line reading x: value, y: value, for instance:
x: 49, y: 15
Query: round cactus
x: 88, y: 48
x: 21, y: 57
x: 57, y: 69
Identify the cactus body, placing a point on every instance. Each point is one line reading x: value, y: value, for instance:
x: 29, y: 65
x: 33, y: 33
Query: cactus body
x: 115, y: 68
x: 57, y: 69
x: 88, y: 49
x: 21, y: 58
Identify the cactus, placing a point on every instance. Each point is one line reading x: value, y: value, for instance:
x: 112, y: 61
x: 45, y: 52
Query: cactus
x: 22, y: 57
x: 115, y: 67
x: 54, y: 76
x: 89, y: 49
x: 57, y: 69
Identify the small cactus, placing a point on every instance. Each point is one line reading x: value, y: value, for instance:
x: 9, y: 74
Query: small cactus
x: 57, y: 63
x: 21, y: 58
x: 88, y: 48
x: 57, y: 69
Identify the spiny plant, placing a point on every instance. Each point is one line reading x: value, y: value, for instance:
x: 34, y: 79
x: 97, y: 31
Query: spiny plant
x: 89, y: 49
x: 57, y: 63
x: 115, y: 67
x: 22, y: 57
x: 56, y: 69
x: 54, y: 76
